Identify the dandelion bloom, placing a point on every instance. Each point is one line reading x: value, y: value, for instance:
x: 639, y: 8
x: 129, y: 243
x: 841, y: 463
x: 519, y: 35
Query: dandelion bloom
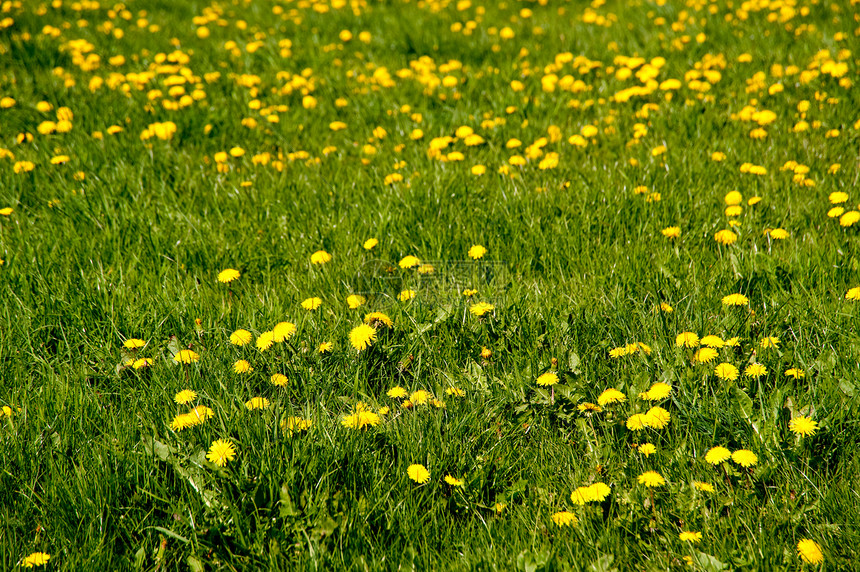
x: 362, y: 337
x: 185, y: 396
x: 705, y: 355
x: 713, y: 341
x: 809, y: 551
x: 499, y: 507
x: 265, y: 340
x: 755, y: 370
x: 295, y: 424
x: 409, y: 262
x: 690, y: 536
x: 242, y: 366
x: 647, y: 449
x: 455, y: 391
x: 803, y: 426
x: 325, y: 347
x: 361, y: 418
x: 406, y: 295
x: 397, y: 392
x: 481, y: 308
x: 311, y: 303
x: 651, y: 479
x: 370, y: 243
x: 726, y: 371
x: 611, y: 395
x: 853, y: 293
x: 320, y: 257
x: 220, y: 452
x: 141, y: 363
x: 744, y: 457
x: 564, y: 518
x: 186, y: 356
x: 778, y: 234
x: 796, y: 373
x: 849, y: 218
x: 420, y: 397
x: 453, y: 481
x: 549, y: 378
x: 376, y: 318
x: 706, y: 487
x: 477, y: 251
x: 6, y: 211
x: 354, y: 301
x: 283, y: 331
x: 133, y: 344
x: 240, y: 337
x: 769, y: 342
x: 717, y: 455
x: 735, y: 300
x: 257, y: 403
x: 228, y: 275
x: 837, y: 197
x: 599, y: 491
x: 671, y: 231
x: 418, y: 473
x: 687, y: 340
x: 589, y: 408
x: 38, y: 559
x: 581, y: 495
x: 725, y: 237
x: 733, y: 198
x: 657, y: 417
x: 637, y: 422
x: 279, y: 379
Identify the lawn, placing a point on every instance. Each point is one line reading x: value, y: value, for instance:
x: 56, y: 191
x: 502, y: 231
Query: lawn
x: 429, y: 285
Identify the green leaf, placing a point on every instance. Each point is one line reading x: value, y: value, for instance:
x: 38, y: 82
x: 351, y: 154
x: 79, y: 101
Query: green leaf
x: 194, y: 564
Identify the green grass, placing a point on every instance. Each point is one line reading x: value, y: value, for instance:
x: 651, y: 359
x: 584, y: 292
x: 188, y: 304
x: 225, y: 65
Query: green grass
x: 126, y: 240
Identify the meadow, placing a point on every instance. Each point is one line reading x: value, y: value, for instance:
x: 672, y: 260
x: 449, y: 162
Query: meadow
x: 429, y: 285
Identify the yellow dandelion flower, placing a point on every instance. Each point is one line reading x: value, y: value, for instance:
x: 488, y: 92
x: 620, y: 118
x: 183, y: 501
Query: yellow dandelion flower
x: 320, y: 257
x: 651, y: 479
x: 853, y: 293
x: 704, y: 487
x: 671, y: 231
x: 133, y: 344
x: 257, y: 403
x: 406, y: 295
x: 376, y: 318
x: 637, y: 422
x: 705, y: 355
x: 477, y: 251
x: 242, y: 366
x: 409, y: 262
x: 455, y: 392
x: 311, y: 303
x: 370, y: 243
x: 755, y: 370
x: 690, y: 536
x: 420, y: 397
x: 220, y: 452
x: 548, y: 378
x: 325, y: 347
x: 726, y: 372
x: 735, y: 300
x: 265, y: 340
x: 713, y: 341
x: 849, y: 218
x: 397, y: 392
x: 647, y: 449
x: 611, y: 395
x: 744, y: 457
x: 240, y: 337
x: 354, y: 301
x: 803, y: 426
x: 796, y: 373
x: 687, y: 339
x: 35, y: 559
x: 279, y: 379
x: 418, y: 473
x: 657, y: 417
x: 717, y: 455
x: 589, y: 408
x: 453, y: 481
x: 657, y: 391
x: 186, y: 356
x: 283, y: 331
x: 362, y: 337
x: 481, y: 308
x: 185, y: 396
x: 564, y: 518
x: 725, y: 237
x: 809, y: 551
x: 228, y: 275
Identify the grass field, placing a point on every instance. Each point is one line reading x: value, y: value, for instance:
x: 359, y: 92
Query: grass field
x: 429, y: 285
